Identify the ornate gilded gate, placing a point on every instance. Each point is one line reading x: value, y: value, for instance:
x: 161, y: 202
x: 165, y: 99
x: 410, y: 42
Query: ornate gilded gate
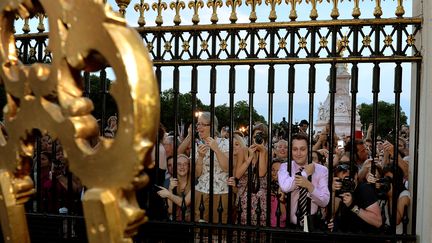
x: 246, y: 52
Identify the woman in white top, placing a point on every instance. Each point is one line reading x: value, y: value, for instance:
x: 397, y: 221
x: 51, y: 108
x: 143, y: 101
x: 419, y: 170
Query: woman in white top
x: 220, y: 147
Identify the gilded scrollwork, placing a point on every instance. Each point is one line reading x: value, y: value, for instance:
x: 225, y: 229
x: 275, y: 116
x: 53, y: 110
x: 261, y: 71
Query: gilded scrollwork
x: 53, y: 92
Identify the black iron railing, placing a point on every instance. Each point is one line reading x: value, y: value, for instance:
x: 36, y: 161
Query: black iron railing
x: 198, y: 52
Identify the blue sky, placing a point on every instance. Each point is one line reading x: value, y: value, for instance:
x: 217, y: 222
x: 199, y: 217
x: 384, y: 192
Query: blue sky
x: 280, y: 97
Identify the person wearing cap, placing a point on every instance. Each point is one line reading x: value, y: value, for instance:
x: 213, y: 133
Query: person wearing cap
x: 356, y: 207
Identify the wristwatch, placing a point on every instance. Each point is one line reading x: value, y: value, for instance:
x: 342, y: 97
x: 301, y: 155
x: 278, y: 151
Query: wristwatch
x: 355, y: 209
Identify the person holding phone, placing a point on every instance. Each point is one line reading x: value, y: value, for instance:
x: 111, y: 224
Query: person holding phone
x: 182, y: 197
x: 220, y: 148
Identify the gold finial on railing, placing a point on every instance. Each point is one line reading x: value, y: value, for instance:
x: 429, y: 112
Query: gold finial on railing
x: 41, y: 26
x: 214, y: 4
x: 159, y: 6
x: 314, y: 13
x: 141, y: 7
x: 293, y: 12
x: 234, y: 4
x: 335, y: 11
x: 356, y: 9
x: 196, y: 4
x: 177, y: 5
x: 253, y: 3
x: 122, y: 4
x: 272, y: 16
x: 26, y: 26
x: 400, y: 11
x: 377, y: 10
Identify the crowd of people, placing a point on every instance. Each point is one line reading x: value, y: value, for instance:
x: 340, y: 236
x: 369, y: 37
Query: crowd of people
x: 359, y: 199
x: 365, y: 178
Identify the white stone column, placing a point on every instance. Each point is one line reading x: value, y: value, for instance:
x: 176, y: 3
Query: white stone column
x: 424, y: 195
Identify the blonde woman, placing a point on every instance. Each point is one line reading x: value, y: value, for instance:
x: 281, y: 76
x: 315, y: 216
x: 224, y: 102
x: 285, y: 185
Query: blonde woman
x: 183, y: 186
x: 256, y: 162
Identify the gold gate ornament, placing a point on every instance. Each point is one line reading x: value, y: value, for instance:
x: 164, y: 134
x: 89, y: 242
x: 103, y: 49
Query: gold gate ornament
x: 84, y: 36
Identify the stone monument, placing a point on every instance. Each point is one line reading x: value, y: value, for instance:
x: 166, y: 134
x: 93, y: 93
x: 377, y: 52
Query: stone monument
x: 342, y: 110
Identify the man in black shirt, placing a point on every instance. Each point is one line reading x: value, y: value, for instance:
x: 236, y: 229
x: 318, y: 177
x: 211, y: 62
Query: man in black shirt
x: 356, y: 205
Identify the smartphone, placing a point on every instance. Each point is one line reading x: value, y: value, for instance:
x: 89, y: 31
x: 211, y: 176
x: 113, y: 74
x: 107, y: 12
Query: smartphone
x: 341, y: 144
x: 200, y: 141
x: 156, y: 188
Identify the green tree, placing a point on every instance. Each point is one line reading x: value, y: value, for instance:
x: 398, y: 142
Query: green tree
x: 222, y: 114
x: 241, y: 115
x: 241, y: 111
x: 184, y: 108
x: 96, y: 95
x: 386, y: 118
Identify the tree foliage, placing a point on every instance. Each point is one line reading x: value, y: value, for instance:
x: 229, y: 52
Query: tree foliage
x: 386, y: 117
x: 185, y: 115
x: 184, y: 108
x: 96, y: 95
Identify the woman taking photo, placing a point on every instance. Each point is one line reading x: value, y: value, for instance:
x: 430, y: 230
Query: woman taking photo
x: 252, y: 173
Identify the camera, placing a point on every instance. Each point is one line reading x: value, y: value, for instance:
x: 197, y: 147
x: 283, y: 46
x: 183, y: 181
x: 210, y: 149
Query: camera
x: 274, y: 187
x: 295, y: 128
x: 156, y: 188
x: 385, y: 186
x: 389, y: 137
x: 57, y: 162
x: 259, y: 138
x: 348, y: 185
